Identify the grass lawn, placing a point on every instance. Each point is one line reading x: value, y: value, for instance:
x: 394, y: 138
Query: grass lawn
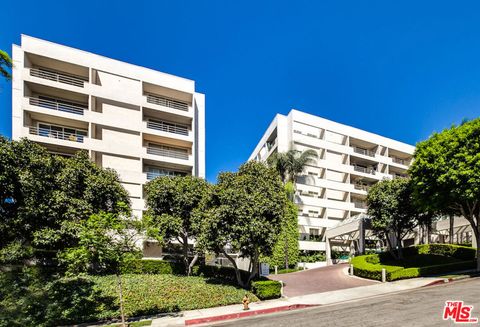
x: 152, y: 294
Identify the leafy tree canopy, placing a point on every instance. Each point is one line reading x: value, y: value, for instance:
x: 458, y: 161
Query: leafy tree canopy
x: 446, y: 173
x: 171, y: 202
x: 245, y: 215
x: 42, y: 196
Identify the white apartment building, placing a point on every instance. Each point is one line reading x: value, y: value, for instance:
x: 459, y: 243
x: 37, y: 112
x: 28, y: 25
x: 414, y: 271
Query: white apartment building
x: 141, y: 122
x: 334, y: 187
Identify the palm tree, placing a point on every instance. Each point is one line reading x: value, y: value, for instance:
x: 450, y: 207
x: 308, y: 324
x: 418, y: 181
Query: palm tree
x: 289, y: 165
x: 5, y: 62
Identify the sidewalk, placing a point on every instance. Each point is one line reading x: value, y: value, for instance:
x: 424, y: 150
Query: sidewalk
x: 235, y: 311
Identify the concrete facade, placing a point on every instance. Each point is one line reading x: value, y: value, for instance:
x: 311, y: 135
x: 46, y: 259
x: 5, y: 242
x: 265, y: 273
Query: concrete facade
x: 334, y: 187
x: 141, y: 122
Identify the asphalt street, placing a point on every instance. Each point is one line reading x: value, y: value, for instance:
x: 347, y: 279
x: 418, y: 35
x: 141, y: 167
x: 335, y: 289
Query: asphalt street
x: 419, y: 307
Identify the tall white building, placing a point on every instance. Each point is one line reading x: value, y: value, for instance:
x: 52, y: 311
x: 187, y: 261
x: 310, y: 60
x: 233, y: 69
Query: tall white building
x: 141, y: 122
x: 334, y: 186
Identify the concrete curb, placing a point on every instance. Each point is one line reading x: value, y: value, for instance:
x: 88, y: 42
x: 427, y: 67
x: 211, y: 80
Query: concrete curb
x: 449, y: 280
x: 245, y: 314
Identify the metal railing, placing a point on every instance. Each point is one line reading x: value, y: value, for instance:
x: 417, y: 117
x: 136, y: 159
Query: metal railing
x: 310, y: 237
x: 59, y: 105
x: 155, y: 99
x: 362, y: 187
x: 365, y: 152
x: 58, y: 77
x: 399, y: 161
x: 56, y: 134
x: 152, y: 175
x: 168, y: 152
x: 167, y: 127
x: 364, y: 169
x: 359, y: 204
x: 395, y: 176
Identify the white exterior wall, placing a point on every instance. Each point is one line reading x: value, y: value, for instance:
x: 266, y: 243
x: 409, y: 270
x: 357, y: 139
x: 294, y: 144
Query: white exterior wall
x: 116, y: 111
x: 349, y: 160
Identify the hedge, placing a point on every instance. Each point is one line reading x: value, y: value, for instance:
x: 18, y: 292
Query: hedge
x: 268, y: 289
x: 152, y: 267
x: 431, y: 270
x: 369, y: 266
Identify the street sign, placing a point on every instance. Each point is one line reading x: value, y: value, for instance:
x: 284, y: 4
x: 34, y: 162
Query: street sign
x: 264, y: 269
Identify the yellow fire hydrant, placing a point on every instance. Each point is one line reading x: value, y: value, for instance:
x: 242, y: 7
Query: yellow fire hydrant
x: 246, y: 301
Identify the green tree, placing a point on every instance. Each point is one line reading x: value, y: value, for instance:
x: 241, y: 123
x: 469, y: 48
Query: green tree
x: 106, y: 241
x: 289, y: 165
x: 5, y: 65
x: 392, y: 211
x: 446, y: 173
x: 42, y: 196
x: 286, y: 250
x: 171, y: 202
x: 244, y: 216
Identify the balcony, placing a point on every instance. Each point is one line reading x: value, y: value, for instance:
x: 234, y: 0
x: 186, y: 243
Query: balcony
x: 161, y: 101
x: 58, y: 104
x: 168, y: 127
x: 310, y: 237
x: 398, y: 175
x: 58, y: 77
x: 153, y: 173
x: 167, y: 151
x: 362, y: 187
x: 366, y: 170
x: 364, y: 152
x: 57, y: 134
x: 360, y: 204
x: 400, y: 161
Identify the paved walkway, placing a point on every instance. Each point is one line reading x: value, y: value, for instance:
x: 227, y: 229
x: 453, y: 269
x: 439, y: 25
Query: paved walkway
x: 319, y: 280
x: 324, y: 298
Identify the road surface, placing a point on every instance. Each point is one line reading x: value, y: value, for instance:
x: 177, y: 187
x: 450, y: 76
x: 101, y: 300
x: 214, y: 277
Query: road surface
x: 419, y: 307
x: 325, y: 279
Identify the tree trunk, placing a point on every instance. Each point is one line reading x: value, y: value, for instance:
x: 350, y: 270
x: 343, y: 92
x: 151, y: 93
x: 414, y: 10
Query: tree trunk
x: 192, y: 263
x: 255, y: 263
x: 120, y: 295
x: 185, y: 254
x: 237, y: 271
x: 390, y: 247
x: 450, y: 231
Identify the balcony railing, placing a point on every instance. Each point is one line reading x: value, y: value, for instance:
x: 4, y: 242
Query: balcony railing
x: 360, y: 204
x: 362, y: 187
x: 166, y: 151
x: 155, y: 99
x: 58, y: 77
x: 310, y: 237
x: 366, y: 170
x: 399, y: 161
x: 365, y: 152
x: 396, y: 175
x: 56, y: 134
x: 167, y: 127
x: 60, y: 105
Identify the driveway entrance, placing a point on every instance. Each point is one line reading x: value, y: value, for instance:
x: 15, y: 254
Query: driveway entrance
x: 325, y: 279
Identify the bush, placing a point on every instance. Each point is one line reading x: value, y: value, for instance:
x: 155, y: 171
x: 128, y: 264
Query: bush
x: 420, y: 260
x: 152, y: 294
x: 312, y: 256
x: 152, y: 267
x: 268, y: 289
x: 32, y: 297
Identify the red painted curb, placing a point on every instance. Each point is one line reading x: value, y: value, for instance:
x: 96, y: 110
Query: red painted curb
x: 437, y: 282
x: 246, y: 314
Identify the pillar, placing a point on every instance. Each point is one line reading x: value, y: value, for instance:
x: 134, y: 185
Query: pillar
x: 328, y: 251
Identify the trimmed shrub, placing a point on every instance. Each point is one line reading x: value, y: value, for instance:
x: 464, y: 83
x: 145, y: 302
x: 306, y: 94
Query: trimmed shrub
x: 455, y: 258
x: 268, y: 289
x: 431, y: 270
x: 152, y: 267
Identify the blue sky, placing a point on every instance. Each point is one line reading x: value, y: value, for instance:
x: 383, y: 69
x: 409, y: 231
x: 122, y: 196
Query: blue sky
x: 399, y: 69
